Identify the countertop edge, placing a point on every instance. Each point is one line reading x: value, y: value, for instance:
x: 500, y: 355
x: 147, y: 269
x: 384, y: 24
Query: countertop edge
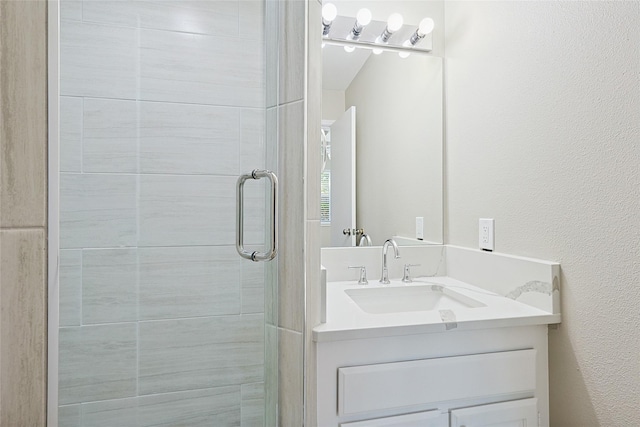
x: 320, y: 335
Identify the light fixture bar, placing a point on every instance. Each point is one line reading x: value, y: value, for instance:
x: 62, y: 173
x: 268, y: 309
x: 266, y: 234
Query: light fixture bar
x: 382, y: 47
x: 368, y: 37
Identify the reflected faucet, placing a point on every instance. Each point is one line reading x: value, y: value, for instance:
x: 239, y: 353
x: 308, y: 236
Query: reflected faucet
x: 365, y: 239
x: 385, y: 271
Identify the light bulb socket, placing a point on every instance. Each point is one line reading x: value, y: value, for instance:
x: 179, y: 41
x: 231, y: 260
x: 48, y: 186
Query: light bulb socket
x: 326, y: 27
x: 356, y: 31
x: 386, y: 35
x: 415, y: 38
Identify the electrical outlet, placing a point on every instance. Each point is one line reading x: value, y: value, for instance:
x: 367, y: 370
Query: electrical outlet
x: 486, y: 234
x: 420, y: 227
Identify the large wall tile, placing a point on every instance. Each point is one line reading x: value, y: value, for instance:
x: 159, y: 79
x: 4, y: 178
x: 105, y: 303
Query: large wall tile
x: 189, y: 282
x: 110, y: 136
x: 69, y: 416
x: 109, y: 285
x: 189, y: 139
x: 97, y: 363
x: 251, y: 20
x: 252, y: 405
x: 291, y: 55
x: 291, y: 259
x: 70, y: 134
x: 98, y: 60
x: 253, y: 286
x: 97, y: 210
x: 272, y: 35
x: 290, y: 378
x: 252, y: 139
x: 211, y: 407
x: 70, y: 10
x: 180, y: 67
x: 109, y: 413
x: 23, y: 114
x: 186, y: 210
x: 70, y: 285
x: 257, y: 204
x: 218, y: 406
x: 201, y: 17
x: 199, y: 353
x: 23, y: 327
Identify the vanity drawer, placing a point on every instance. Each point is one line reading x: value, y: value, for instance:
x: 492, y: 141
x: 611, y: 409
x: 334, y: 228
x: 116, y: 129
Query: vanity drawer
x: 420, y: 382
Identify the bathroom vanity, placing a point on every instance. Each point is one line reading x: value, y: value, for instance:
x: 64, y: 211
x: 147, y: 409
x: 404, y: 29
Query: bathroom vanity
x: 463, y: 344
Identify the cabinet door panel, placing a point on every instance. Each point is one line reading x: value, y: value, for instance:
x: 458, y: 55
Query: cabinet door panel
x: 517, y: 413
x: 421, y: 419
x: 399, y: 385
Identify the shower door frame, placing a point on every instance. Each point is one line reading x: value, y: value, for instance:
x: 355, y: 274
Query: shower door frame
x: 53, y: 211
x: 53, y: 206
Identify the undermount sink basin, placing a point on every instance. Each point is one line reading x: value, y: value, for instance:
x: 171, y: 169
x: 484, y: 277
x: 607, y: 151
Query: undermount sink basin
x: 406, y: 298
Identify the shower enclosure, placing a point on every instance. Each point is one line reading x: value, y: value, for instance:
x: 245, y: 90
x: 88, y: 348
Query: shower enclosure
x: 155, y: 320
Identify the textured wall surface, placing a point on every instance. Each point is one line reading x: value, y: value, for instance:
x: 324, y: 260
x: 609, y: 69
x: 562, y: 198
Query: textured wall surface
x: 543, y: 116
x: 23, y: 206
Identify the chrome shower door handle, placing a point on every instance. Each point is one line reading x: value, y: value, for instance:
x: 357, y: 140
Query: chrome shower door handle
x: 255, y: 255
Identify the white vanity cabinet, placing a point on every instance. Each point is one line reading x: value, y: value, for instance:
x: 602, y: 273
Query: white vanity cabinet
x: 474, y: 378
x: 518, y: 413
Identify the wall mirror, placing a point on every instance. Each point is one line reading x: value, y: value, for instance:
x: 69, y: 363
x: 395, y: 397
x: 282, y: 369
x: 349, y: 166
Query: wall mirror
x: 382, y: 136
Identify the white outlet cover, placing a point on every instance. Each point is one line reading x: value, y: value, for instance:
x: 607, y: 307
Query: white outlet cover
x: 486, y: 236
x: 420, y: 227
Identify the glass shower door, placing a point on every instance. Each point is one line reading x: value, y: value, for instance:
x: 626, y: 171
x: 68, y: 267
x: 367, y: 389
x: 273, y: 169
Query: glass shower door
x: 162, y: 107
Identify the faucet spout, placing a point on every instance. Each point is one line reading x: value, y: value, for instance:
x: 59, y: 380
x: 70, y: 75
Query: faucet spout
x: 385, y: 271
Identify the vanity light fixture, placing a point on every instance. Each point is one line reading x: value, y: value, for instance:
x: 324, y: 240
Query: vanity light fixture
x: 394, y: 23
x: 329, y: 13
x: 363, y: 32
x: 424, y: 28
x: 363, y: 18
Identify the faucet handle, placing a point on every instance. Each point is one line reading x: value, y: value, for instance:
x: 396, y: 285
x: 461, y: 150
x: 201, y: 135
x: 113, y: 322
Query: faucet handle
x: 363, y: 274
x: 406, y: 278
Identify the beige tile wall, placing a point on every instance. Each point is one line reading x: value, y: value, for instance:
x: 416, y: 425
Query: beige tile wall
x: 23, y: 206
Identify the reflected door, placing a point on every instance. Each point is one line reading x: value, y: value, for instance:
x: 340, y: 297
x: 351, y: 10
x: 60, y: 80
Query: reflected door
x: 343, y: 179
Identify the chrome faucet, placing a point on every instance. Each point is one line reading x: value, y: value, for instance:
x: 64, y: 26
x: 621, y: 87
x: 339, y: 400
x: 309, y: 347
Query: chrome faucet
x: 385, y: 271
x: 365, y: 239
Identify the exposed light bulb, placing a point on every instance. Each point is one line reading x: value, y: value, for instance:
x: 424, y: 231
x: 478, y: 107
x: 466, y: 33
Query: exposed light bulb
x: 329, y: 12
x: 349, y: 49
x: 426, y: 26
x: 364, y: 17
x: 376, y: 51
x: 394, y: 23
x: 404, y: 54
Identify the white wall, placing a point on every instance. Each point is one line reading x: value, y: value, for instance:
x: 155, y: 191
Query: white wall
x: 543, y: 116
x: 332, y: 104
x: 398, y: 145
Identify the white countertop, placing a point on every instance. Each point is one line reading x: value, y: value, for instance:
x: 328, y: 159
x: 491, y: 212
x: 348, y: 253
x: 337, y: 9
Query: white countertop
x: 346, y: 320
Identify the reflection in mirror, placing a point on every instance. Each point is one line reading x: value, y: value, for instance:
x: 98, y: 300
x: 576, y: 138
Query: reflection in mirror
x: 382, y: 123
